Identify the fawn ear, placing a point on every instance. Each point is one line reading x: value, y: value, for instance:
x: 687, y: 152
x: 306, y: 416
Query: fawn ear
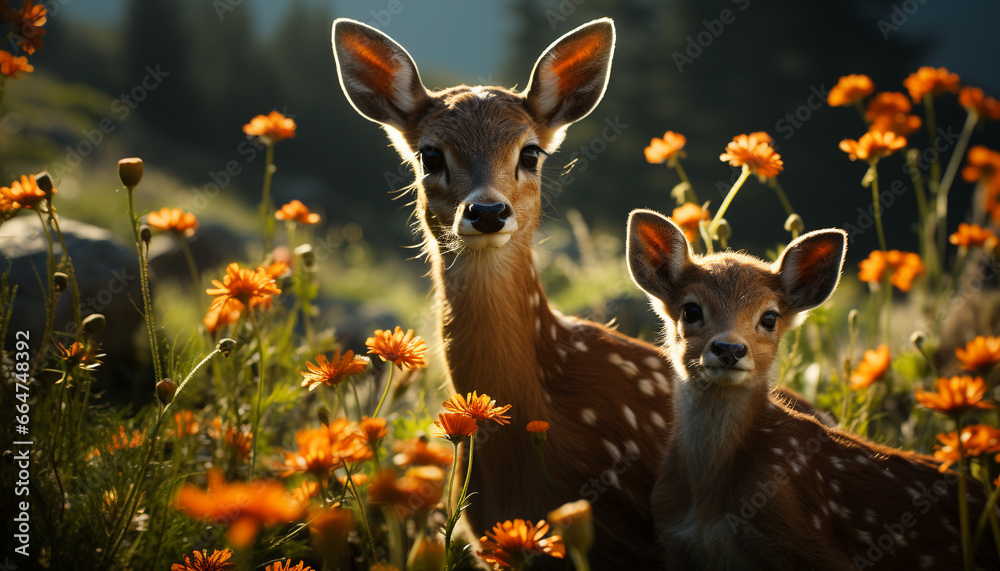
x: 377, y: 75
x: 570, y: 77
x: 810, y: 267
x: 657, y: 253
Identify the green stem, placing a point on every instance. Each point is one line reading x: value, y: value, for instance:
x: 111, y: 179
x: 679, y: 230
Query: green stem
x: 55, y: 444
x: 963, y: 505
x: 260, y: 392
x: 717, y: 220
x: 192, y: 269
x: 924, y: 213
x: 935, y: 179
x: 266, y: 209
x: 144, y: 281
x: 66, y: 262
x: 987, y: 513
x: 50, y: 300
x: 684, y: 178
x: 949, y: 177
x: 453, y: 518
x: 357, y: 402
x: 385, y: 392
x: 545, y: 469
x: 361, y: 508
x: 451, y: 481
x: 877, y: 206
x: 782, y: 197
x: 579, y: 559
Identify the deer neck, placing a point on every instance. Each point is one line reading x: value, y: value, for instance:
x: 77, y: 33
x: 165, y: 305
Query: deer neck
x: 494, y: 315
x: 713, y: 424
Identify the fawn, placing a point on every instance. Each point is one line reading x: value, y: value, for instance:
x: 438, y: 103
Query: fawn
x: 747, y: 483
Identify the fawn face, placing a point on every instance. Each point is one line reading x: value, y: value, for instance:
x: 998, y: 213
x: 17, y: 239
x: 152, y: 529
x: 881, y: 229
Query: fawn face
x: 477, y: 151
x: 724, y: 313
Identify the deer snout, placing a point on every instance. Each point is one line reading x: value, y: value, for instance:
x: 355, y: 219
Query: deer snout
x: 485, y: 224
x: 728, y: 353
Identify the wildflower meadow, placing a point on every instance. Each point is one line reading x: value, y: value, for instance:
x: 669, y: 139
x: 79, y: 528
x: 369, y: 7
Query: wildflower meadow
x: 255, y: 433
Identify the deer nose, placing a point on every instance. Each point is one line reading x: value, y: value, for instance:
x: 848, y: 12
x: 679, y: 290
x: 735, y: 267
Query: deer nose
x: 728, y: 353
x: 487, y: 218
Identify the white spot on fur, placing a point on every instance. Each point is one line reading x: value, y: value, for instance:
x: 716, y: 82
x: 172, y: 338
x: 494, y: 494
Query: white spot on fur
x: 837, y: 462
x: 835, y: 486
x: 870, y: 515
x: 562, y: 353
x: 553, y: 332
x: 793, y: 442
x: 778, y: 451
x: 580, y: 346
x: 589, y: 416
x: 630, y: 416
x: 548, y: 397
x: 613, y: 450
x: 632, y: 448
x: 627, y: 367
x: 817, y: 522
x: 654, y: 363
x: 864, y: 536
x: 612, y: 476
x: 889, y: 474
x: 538, y: 325
x: 926, y: 561
x: 661, y: 381
x: 657, y: 420
x: 819, y: 476
x: 646, y: 386
x: 913, y: 493
x: 861, y: 459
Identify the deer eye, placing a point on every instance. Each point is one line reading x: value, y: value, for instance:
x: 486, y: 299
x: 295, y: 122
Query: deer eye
x: 769, y: 320
x: 432, y: 159
x: 691, y: 313
x: 529, y: 157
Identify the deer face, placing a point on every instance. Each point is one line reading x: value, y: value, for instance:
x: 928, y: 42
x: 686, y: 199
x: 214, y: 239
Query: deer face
x: 724, y: 313
x: 477, y: 151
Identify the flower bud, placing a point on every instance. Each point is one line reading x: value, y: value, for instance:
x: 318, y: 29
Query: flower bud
x: 165, y: 390
x: 93, y: 325
x: 680, y: 192
x: 8, y: 457
x: 574, y: 522
x: 130, y: 172
x: 794, y: 224
x: 225, y: 346
x: 60, y: 282
x: 145, y: 234
x: 852, y: 319
x: 427, y: 554
x: 44, y: 182
x: 724, y: 232
x: 323, y: 414
x: 305, y: 252
x: 918, y: 339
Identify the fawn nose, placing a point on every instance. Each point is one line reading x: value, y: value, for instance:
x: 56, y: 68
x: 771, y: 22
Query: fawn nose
x: 487, y: 218
x: 728, y: 353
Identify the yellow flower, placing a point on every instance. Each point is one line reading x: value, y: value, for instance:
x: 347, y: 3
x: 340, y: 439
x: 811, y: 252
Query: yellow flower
x: 405, y: 350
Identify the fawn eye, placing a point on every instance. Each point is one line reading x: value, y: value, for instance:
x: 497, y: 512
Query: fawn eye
x: 432, y: 159
x: 769, y: 320
x: 691, y: 313
x: 529, y: 157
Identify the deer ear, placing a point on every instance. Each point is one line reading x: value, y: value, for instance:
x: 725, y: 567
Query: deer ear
x: 810, y: 267
x: 570, y: 77
x: 377, y: 75
x: 657, y: 253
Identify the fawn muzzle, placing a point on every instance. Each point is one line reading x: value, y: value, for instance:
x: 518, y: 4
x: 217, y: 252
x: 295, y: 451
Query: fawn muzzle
x: 728, y: 353
x: 487, y: 218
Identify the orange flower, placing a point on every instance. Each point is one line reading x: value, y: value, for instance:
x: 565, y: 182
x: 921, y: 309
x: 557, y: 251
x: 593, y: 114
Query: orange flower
x: 982, y: 166
x: 456, y: 427
x: 873, y: 365
x: 173, y: 219
x: 688, y: 216
x: 330, y: 529
x: 511, y: 543
x: 239, y: 441
x: 756, y: 153
x: 419, y: 488
x: 850, y: 89
x: 373, y: 430
x: 971, y: 235
x: 250, y: 287
x: 955, y: 396
x: 272, y: 127
x: 873, y: 145
x: 421, y: 452
x: 479, y: 407
x: 11, y: 65
x: 246, y: 507
x: 357, y: 480
x: 306, y: 491
x: 537, y: 426
x: 24, y: 193
x: 977, y: 439
x: 930, y: 81
x: 219, y: 316
x: 979, y: 354
x: 186, y: 424
x: 295, y: 211
x: 666, y: 149
x: 889, y: 111
x: 79, y: 355
x: 905, y: 266
x: 404, y: 349
x: 322, y: 450
x: 277, y: 269
x: 30, y: 18
x: 973, y: 99
x: 287, y: 566
x: 334, y: 371
x: 217, y: 561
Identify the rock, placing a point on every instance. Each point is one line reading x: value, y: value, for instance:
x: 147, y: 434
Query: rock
x: 213, y: 246
x: 107, y: 272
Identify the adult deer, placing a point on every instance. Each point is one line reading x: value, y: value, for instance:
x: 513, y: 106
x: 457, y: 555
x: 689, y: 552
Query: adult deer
x: 747, y: 483
x: 477, y: 153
